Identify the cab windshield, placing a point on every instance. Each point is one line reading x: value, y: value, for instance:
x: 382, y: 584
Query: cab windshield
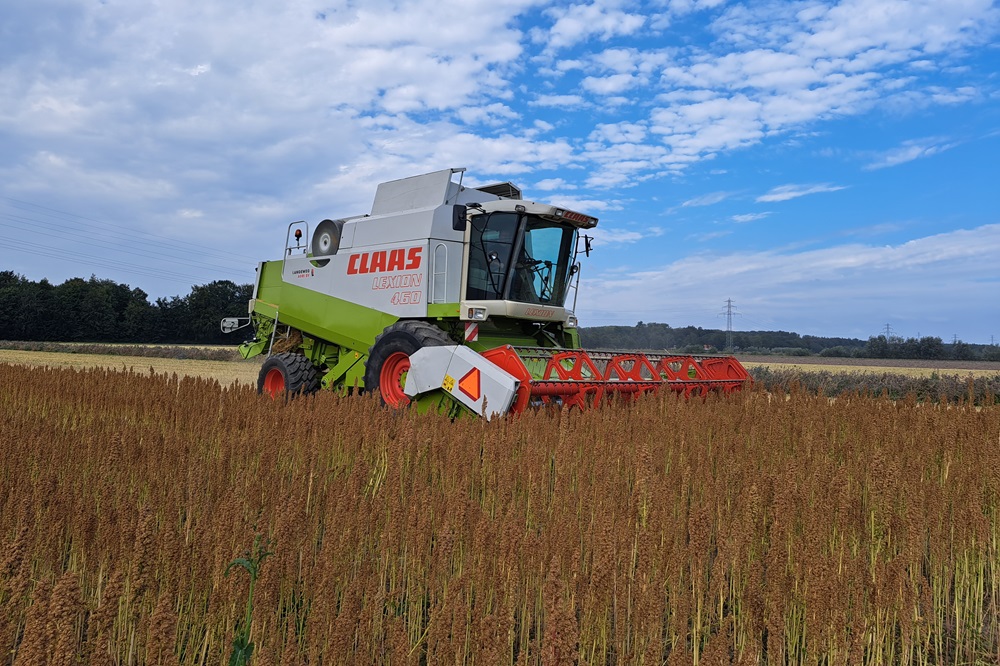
x: 519, y: 257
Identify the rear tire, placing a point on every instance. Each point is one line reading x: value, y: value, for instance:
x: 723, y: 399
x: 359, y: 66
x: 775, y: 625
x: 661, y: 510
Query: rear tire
x: 389, y: 358
x: 287, y: 373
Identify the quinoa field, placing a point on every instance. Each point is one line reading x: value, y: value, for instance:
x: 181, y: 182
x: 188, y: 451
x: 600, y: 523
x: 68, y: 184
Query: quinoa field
x: 751, y: 529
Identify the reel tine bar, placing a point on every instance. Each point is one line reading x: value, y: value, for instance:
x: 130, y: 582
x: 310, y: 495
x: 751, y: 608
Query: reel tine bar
x: 575, y: 377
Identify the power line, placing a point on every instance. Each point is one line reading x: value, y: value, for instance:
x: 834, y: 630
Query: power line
x: 124, y: 267
x: 65, y: 234
x: 89, y: 240
x: 29, y: 206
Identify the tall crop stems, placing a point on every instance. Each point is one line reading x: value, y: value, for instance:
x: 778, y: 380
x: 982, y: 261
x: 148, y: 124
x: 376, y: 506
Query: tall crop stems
x: 750, y: 529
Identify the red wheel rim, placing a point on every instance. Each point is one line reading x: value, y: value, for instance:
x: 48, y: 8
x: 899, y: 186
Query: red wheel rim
x: 274, y: 382
x: 391, y: 379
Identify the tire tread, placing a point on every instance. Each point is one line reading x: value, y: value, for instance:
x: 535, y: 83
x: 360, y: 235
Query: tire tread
x: 301, y: 376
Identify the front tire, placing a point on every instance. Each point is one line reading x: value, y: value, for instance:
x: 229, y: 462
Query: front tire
x: 389, y: 358
x: 287, y: 373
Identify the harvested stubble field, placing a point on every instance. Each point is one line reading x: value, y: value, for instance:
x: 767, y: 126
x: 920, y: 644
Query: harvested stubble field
x: 224, y: 371
x: 743, y: 530
x: 911, y: 367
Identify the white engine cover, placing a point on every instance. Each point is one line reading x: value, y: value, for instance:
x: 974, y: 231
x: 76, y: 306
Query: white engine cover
x: 466, y: 375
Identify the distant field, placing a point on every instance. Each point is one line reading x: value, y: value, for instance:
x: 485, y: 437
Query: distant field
x: 225, y: 372
x: 920, y: 368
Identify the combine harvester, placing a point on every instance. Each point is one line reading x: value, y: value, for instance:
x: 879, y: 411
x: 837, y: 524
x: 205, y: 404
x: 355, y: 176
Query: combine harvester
x: 454, y: 298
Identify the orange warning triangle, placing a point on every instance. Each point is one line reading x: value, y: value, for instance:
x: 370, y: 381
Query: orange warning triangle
x: 469, y: 384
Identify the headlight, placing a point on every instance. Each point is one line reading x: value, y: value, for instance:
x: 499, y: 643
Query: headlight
x: 571, y: 321
x: 477, y: 314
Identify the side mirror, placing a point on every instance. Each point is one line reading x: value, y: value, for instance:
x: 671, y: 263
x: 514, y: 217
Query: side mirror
x: 458, y: 217
x: 230, y: 324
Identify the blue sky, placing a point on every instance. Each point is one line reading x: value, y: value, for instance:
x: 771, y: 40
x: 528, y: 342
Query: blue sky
x: 831, y: 167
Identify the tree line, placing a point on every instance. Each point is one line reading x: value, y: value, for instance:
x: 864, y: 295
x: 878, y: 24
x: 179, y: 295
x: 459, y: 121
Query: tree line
x: 99, y: 310
x: 927, y: 347
x: 694, y: 339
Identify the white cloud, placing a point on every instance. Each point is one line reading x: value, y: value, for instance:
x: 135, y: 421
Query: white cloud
x: 894, y: 27
x: 584, y: 205
x: 549, y: 184
x: 615, y: 102
x: 681, y: 7
x: 492, y: 114
x: 579, y: 22
x: 909, y: 151
x: 786, y: 192
x: 624, y: 132
x: 700, y: 128
x: 706, y: 236
x: 940, y: 95
x: 74, y: 177
x: 568, y: 65
x: 749, y: 217
x: 709, y: 199
x: 572, y: 101
x: 624, y: 164
x: 608, y: 85
x: 620, y: 61
x: 606, y: 236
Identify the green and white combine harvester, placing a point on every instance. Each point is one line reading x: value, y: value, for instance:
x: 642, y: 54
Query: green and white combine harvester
x: 451, y: 298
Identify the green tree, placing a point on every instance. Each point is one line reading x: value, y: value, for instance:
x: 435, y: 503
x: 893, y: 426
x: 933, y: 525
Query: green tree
x: 931, y: 348
x: 90, y: 310
x: 170, y: 323
x: 961, y: 351
x: 877, y: 347
x: 137, y: 317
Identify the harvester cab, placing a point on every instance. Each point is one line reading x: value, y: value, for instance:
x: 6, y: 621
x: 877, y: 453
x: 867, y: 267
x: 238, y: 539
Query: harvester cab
x: 456, y: 298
